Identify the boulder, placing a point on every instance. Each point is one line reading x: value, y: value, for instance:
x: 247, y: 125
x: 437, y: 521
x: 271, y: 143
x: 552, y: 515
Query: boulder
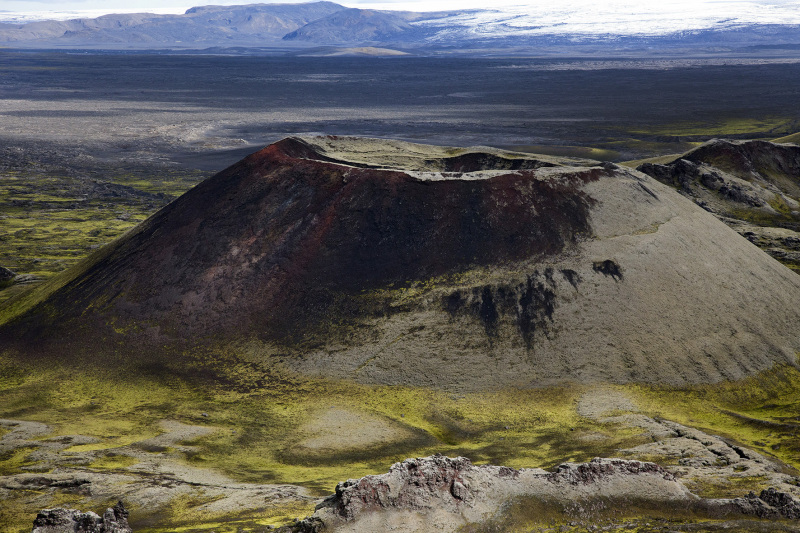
x: 114, y: 520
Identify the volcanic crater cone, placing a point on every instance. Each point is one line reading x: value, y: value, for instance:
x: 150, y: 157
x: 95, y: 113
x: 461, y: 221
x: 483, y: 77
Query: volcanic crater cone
x: 390, y: 262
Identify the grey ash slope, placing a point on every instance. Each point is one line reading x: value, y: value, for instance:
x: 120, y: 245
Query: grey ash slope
x: 389, y: 262
x: 753, y: 186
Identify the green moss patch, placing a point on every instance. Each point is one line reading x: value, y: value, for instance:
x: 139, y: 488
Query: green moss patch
x: 259, y: 417
x: 186, y: 515
x: 731, y: 487
x: 49, y: 222
x: 585, y: 152
x: 11, y: 462
x: 761, y: 412
x: 728, y: 126
x: 113, y: 462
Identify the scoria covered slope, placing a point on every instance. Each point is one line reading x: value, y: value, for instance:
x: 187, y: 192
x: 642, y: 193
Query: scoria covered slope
x: 388, y: 262
x: 752, y: 186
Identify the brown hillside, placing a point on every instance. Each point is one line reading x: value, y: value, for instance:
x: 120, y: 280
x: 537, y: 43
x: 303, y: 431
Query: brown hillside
x: 389, y: 262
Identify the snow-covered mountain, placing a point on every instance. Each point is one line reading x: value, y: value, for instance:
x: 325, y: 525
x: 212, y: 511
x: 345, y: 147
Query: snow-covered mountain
x: 626, y: 24
x: 621, y: 17
x: 25, y: 17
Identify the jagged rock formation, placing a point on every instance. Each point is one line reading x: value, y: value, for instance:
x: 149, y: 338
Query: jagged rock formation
x: 770, y: 504
x: 389, y: 262
x: 114, y: 520
x: 444, y: 494
x: 753, y: 186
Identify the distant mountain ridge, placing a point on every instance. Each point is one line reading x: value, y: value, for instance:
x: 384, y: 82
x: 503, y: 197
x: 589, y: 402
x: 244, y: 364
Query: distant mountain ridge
x: 253, y: 24
x: 524, y: 30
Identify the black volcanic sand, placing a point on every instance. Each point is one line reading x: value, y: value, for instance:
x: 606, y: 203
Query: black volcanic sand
x: 207, y: 111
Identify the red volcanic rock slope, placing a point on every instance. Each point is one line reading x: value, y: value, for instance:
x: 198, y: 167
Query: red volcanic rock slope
x: 389, y: 262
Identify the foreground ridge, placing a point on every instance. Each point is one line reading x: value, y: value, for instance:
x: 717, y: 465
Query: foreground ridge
x: 449, y: 493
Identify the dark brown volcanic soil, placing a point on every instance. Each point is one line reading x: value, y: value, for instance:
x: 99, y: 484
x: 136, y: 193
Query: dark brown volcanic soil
x: 268, y: 241
x: 390, y: 262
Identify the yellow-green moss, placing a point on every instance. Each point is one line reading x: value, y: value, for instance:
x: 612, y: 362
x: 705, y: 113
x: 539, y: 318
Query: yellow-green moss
x: 586, y: 152
x: 187, y: 514
x: 257, y: 415
x: 731, y: 487
x: 793, y: 138
x: 50, y: 224
x: 778, y: 203
x: 113, y: 462
x: 659, y: 160
x: 13, y: 461
x: 757, y: 126
x: 761, y: 412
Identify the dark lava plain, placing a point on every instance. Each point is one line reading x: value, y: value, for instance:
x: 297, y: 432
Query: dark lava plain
x: 218, y: 104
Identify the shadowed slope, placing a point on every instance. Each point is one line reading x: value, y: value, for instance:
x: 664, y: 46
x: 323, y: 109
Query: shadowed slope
x: 770, y: 165
x: 397, y: 263
x: 352, y: 26
x: 287, y: 229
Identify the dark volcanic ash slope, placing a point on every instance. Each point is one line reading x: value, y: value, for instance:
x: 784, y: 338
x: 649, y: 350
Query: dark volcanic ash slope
x: 753, y: 186
x: 390, y: 262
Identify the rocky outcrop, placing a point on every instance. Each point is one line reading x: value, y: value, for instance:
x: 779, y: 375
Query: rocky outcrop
x: 690, y: 177
x: 603, y: 469
x: 445, y: 493
x: 114, y: 520
x: 769, y: 504
x: 758, y: 175
x: 6, y: 277
x: 417, y: 484
x: 452, y: 491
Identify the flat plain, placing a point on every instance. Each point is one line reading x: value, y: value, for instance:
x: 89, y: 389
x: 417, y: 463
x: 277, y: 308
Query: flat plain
x: 173, y: 105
